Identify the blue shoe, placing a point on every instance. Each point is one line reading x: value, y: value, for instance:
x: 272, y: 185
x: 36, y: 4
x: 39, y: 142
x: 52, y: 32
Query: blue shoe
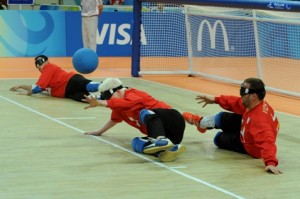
x: 155, y: 146
x: 171, y: 154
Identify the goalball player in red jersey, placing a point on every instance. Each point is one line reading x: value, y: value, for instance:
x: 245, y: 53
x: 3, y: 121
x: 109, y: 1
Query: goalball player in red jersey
x: 250, y: 127
x: 162, y: 125
x: 58, y: 83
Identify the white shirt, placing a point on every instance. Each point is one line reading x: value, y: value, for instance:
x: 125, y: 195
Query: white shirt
x: 90, y: 7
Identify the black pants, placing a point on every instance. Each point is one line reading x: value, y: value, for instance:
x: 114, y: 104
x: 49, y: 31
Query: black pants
x: 166, y: 122
x: 229, y: 137
x: 76, y: 88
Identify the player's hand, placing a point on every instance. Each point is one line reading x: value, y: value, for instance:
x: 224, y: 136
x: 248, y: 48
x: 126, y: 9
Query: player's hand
x: 29, y: 92
x: 205, y: 99
x: 94, y: 133
x: 15, y: 88
x: 19, y: 92
x: 93, y: 101
x: 273, y: 169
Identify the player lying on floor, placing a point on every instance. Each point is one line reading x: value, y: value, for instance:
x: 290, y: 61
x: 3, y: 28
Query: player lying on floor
x: 57, y: 82
x: 162, y: 125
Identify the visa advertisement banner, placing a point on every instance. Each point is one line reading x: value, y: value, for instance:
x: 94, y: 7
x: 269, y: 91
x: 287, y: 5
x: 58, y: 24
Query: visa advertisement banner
x: 58, y: 33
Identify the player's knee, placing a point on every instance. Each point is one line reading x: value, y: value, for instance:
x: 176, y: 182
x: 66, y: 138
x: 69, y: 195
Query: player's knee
x: 144, y: 116
x: 138, y: 144
x: 218, y: 119
x: 217, y: 138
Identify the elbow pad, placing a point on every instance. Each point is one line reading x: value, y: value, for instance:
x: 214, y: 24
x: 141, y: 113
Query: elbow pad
x: 36, y: 89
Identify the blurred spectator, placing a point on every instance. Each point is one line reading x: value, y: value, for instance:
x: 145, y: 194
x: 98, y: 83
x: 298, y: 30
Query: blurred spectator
x: 116, y: 2
x: 2, y: 6
x: 91, y: 9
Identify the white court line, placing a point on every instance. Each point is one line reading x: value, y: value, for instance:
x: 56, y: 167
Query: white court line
x: 179, y: 167
x: 128, y: 151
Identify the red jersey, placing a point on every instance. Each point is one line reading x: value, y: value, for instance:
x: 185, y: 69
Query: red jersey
x: 128, y: 108
x: 54, y: 80
x: 258, y: 130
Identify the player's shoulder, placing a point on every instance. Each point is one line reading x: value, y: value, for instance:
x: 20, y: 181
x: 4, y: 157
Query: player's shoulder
x: 263, y: 110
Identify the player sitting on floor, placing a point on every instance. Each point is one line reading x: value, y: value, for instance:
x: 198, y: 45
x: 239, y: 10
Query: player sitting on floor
x: 251, y: 126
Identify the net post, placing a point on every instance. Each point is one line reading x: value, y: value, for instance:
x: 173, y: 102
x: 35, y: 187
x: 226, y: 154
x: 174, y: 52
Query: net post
x: 136, y: 39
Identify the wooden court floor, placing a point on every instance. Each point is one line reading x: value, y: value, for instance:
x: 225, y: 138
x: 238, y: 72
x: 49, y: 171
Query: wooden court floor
x: 44, y: 153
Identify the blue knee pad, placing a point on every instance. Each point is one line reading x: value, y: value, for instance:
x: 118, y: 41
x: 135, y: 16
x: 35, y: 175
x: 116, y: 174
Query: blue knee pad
x: 216, y: 137
x: 218, y: 119
x: 92, y: 87
x: 138, y: 144
x: 143, y: 114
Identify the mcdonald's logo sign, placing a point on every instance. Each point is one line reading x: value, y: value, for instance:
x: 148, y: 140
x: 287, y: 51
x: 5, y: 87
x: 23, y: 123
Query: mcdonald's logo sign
x: 212, y: 33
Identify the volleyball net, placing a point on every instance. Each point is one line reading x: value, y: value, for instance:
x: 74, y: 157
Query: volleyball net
x: 222, y: 40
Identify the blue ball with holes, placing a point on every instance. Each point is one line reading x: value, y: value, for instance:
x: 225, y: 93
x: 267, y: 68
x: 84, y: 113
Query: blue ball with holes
x: 85, y: 60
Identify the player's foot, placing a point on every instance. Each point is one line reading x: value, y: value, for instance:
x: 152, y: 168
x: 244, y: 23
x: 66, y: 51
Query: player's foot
x: 193, y: 119
x: 157, y: 145
x: 171, y: 154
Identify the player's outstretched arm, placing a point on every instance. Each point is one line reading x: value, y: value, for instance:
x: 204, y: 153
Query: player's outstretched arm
x: 109, y: 124
x: 16, y: 88
x: 24, y: 87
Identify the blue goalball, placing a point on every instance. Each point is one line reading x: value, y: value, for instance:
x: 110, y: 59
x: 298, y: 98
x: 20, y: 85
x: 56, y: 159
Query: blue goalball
x: 85, y: 60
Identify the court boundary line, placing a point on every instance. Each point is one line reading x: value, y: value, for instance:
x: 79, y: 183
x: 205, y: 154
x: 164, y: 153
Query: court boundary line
x: 128, y: 151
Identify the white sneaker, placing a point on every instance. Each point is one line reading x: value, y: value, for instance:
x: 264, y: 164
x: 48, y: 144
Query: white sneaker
x: 161, y: 144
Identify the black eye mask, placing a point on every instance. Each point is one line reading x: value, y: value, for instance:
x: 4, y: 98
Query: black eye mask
x: 108, y: 93
x: 245, y: 91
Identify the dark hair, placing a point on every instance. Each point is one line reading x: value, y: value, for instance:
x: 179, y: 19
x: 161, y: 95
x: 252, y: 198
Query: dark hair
x: 40, y: 60
x: 256, y: 86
